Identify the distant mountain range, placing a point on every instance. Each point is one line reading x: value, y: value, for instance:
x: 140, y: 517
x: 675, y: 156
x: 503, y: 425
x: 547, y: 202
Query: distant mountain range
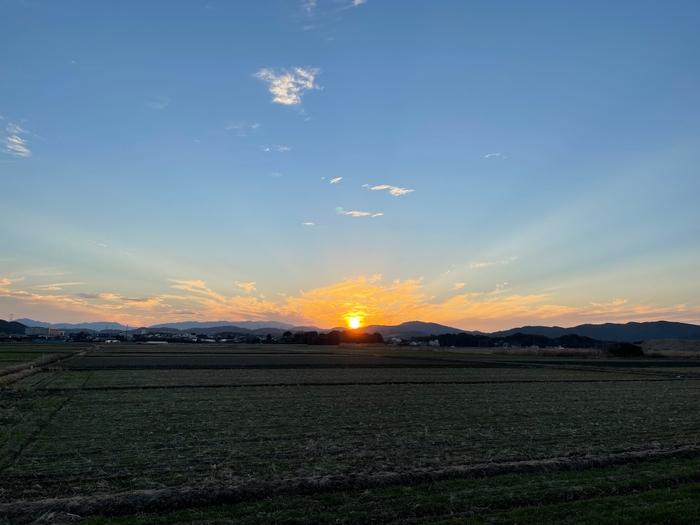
x: 182, y: 326
x: 614, y: 332
x: 250, y: 325
x: 628, y: 332
x: 411, y: 329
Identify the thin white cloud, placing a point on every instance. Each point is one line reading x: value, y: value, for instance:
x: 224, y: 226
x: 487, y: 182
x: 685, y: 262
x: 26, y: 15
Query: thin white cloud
x: 287, y: 87
x: 241, y: 128
x: 308, y: 5
x: 355, y: 3
x: 160, y: 103
x: 15, y: 129
x: 280, y: 149
x: 500, y: 287
x: 336, y: 180
x: 16, y: 146
x: 307, y: 223
x: 99, y: 244
x: 377, y: 215
x: 55, y: 286
x: 276, y: 174
x: 480, y: 264
x: 395, y: 191
x: 357, y: 213
x: 458, y: 285
x: 248, y: 287
x: 492, y: 155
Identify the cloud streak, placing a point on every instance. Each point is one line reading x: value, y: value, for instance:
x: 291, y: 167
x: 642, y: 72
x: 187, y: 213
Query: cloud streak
x: 279, y: 149
x: 160, y: 103
x: 287, y: 87
x: 336, y: 180
x: 394, y: 190
x: 248, y: 287
x: 14, y: 144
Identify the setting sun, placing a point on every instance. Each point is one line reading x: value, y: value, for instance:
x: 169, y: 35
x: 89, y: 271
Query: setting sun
x: 354, y: 322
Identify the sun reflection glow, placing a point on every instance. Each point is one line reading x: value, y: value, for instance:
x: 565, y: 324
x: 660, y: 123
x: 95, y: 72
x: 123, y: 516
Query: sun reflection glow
x: 353, y: 322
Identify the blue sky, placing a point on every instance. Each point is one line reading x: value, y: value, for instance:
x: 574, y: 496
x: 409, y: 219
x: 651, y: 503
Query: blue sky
x: 534, y: 163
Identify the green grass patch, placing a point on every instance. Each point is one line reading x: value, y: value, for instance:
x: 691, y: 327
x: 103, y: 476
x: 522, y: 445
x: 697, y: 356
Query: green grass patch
x: 669, y: 506
x: 449, y: 498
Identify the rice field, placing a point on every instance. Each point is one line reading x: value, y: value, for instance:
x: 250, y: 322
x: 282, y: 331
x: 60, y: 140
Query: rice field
x: 280, y: 420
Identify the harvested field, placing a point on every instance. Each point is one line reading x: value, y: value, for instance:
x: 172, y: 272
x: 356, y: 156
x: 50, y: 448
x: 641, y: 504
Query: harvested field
x: 189, y: 436
x: 220, y: 378
x: 142, y: 423
x: 94, y: 362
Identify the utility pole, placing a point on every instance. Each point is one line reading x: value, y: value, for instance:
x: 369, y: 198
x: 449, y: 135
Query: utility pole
x: 12, y: 317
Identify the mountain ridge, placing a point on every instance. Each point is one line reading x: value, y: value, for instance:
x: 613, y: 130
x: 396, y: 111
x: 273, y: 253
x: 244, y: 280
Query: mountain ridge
x: 623, y: 332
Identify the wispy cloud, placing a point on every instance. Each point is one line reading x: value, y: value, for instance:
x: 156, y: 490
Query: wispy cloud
x: 495, y: 155
x: 84, y: 295
x: 14, y: 144
x: 15, y: 129
x: 159, y: 103
x: 459, y: 285
x: 242, y: 129
x: 500, y: 287
x: 336, y: 180
x: 394, y: 190
x: 308, y: 5
x: 279, y: 149
x: 55, y: 286
x: 307, y: 224
x: 287, y: 87
x: 355, y: 3
x: 369, y: 298
x: 480, y: 264
x: 248, y: 287
x: 276, y: 174
x: 99, y: 244
x: 340, y: 211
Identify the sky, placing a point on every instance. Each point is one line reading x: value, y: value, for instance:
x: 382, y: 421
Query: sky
x: 478, y: 164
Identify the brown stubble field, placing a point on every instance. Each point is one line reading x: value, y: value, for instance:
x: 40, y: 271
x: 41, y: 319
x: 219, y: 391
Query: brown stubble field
x: 260, y: 422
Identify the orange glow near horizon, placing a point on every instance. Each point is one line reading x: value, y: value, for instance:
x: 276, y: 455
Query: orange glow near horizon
x: 353, y: 322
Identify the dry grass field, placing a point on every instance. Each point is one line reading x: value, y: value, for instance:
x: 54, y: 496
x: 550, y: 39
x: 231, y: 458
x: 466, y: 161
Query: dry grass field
x: 194, y: 434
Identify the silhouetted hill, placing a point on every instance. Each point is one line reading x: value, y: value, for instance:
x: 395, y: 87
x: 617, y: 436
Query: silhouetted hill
x: 409, y: 329
x: 14, y: 327
x: 249, y: 325
x: 628, y: 332
x: 96, y: 326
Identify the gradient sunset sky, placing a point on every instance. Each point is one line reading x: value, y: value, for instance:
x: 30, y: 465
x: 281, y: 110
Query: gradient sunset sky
x: 481, y: 164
